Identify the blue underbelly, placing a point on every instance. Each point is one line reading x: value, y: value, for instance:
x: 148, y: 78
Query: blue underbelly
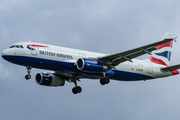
x: 66, y: 67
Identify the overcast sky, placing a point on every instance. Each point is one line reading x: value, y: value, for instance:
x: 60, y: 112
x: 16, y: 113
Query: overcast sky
x: 96, y: 25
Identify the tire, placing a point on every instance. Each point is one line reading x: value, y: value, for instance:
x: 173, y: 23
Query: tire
x: 102, y: 81
x: 27, y: 77
x: 76, y: 90
x: 106, y: 80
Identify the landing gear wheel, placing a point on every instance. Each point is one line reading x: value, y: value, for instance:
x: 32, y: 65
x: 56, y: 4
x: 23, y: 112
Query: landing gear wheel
x: 104, y: 81
x: 28, y: 77
x: 76, y: 89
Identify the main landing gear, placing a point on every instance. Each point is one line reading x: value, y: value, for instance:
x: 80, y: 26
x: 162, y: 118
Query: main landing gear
x: 28, y: 76
x: 76, y: 89
x: 104, y: 80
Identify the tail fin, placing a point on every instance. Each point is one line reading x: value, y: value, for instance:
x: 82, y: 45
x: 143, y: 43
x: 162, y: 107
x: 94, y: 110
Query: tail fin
x: 163, y: 53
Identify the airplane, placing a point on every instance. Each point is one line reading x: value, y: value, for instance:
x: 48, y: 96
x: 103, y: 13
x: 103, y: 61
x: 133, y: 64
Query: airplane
x: 71, y: 65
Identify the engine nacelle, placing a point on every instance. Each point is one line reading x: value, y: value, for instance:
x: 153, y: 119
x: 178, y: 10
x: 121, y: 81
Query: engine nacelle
x: 89, y: 65
x: 48, y: 79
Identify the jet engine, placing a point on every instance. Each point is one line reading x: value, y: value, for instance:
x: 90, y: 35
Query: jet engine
x: 89, y: 65
x: 48, y: 79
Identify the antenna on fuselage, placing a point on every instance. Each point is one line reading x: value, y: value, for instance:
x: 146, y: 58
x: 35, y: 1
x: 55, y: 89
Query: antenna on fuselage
x: 30, y: 42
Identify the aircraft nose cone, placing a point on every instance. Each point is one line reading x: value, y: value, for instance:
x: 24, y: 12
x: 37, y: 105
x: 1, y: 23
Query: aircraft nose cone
x: 4, y: 54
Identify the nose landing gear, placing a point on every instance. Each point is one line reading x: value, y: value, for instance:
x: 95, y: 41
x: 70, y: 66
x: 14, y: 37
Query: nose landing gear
x: 28, y: 76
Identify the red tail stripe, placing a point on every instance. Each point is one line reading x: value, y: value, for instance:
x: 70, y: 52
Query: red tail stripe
x: 168, y: 44
x: 157, y: 61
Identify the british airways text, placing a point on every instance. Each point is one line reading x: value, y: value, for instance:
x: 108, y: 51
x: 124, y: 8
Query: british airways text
x: 55, y: 54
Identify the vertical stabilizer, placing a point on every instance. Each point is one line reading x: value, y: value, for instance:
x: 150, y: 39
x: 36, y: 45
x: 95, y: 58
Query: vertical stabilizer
x: 163, y: 53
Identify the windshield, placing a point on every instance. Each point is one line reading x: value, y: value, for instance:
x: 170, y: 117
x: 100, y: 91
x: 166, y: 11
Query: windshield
x: 16, y: 46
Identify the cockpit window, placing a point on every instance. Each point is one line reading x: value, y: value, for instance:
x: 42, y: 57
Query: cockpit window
x: 16, y: 46
x: 12, y: 46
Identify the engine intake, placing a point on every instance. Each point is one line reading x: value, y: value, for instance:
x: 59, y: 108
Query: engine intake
x: 89, y: 65
x: 48, y: 79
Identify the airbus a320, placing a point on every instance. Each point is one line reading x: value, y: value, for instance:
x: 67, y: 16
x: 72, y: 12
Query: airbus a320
x: 71, y: 65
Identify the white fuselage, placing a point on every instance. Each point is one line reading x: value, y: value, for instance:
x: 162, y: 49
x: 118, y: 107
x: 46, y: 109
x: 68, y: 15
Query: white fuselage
x: 63, y: 61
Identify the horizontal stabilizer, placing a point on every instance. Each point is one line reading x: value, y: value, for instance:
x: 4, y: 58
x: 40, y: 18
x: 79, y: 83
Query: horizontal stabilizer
x: 171, y: 68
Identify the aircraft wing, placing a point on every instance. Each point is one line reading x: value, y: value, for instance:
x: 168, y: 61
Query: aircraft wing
x: 115, y: 59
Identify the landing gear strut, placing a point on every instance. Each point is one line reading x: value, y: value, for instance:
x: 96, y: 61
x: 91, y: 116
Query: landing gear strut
x: 104, y: 80
x: 28, y: 76
x: 76, y: 89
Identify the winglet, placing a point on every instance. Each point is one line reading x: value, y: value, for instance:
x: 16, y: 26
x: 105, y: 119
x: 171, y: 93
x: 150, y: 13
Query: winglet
x: 168, y: 36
